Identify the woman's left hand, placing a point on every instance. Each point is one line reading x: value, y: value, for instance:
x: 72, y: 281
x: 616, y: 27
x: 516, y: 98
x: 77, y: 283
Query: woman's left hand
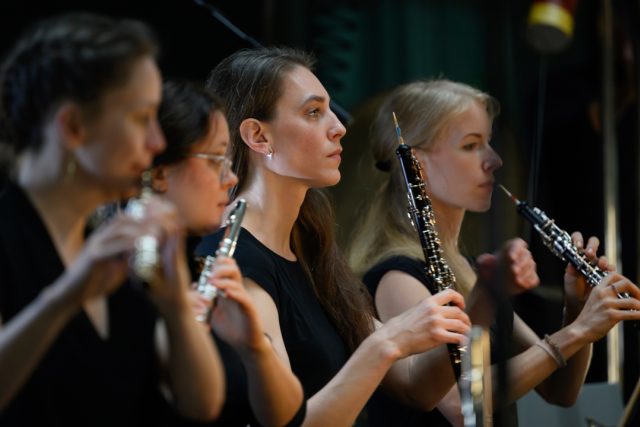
x: 576, y: 288
x: 169, y: 290
x: 234, y: 317
x: 514, y: 261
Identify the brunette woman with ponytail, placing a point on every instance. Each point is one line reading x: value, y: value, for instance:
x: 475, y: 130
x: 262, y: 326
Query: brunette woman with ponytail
x: 286, y: 147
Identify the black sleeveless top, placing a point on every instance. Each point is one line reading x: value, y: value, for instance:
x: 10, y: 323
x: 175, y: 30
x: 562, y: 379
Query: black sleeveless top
x: 384, y: 410
x: 82, y: 379
x: 315, y: 349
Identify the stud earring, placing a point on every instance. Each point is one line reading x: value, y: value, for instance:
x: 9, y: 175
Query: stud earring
x: 269, y: 152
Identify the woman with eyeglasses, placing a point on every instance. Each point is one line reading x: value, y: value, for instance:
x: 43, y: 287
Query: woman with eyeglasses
x: 194, y: 173
x: 80, y: 344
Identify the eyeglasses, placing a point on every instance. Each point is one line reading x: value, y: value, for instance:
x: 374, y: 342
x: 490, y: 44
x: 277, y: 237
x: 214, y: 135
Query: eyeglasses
x: 218, y: 161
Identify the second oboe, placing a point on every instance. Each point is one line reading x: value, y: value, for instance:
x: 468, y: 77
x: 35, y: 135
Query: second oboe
x: 558, y: 241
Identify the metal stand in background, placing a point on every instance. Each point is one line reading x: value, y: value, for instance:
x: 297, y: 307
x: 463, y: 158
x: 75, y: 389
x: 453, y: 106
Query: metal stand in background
x: 344, y: 116
x: 476, y: 391
x: 610, y: 168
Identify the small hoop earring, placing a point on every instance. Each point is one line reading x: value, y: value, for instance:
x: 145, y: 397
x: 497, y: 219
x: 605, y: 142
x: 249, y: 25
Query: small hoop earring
x: 269, y: 152
x: 70, y: 169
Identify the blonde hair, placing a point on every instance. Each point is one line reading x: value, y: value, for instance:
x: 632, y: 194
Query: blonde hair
x: 424, y: 109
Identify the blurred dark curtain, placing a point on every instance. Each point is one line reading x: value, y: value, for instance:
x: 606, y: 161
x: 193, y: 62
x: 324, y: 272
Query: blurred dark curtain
x: 365, y: 48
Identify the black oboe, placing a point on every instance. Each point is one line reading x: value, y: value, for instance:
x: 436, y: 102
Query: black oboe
x: 559, y: 242
x: 438, y: 272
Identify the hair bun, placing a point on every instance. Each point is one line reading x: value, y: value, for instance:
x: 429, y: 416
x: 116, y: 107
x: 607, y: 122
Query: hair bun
x: 383, y: 165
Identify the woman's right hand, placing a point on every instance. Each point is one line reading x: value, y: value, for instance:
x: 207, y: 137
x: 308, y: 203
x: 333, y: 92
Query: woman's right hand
x: 428, y: 324
x: 234, y: 317
x: 603, y: 309
x: 102, y: 265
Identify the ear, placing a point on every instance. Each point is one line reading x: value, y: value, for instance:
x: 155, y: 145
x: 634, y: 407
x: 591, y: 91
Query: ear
x: 159, y: 179
x: 70, y: 122
x: 254, y: 134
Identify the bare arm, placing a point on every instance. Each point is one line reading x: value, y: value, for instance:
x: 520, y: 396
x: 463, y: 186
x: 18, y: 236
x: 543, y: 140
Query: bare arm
x: 275, y: 394
x: 27, y: 337
x: 428, y: 378
x: 185, y: 349
x: 420, y: 380
x: 563, y: 385
x: 601, y: 312
x: 98, y: 271
x: 342, y: 399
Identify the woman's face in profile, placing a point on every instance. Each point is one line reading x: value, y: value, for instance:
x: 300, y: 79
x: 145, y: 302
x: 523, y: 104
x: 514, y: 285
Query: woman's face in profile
x: 124, y: 135
x: 304, y: 133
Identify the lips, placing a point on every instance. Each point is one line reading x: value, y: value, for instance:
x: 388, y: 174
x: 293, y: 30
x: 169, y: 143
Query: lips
x: 336, y: 153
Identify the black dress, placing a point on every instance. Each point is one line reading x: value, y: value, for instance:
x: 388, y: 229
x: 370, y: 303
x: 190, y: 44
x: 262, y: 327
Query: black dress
x: 236, y: 411
x: 82, y: 379
x: 316, y: 350
x: 385, y: 411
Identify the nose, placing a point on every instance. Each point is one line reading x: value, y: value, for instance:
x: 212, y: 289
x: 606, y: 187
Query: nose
x: 492, y: 161
x: 155, y: 137
x: 229, y: 181
x: 337, y: 129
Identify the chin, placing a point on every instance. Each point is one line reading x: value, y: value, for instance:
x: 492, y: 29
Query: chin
x: 327, y: 181
x: 481, y: 207
x: 204, y: 229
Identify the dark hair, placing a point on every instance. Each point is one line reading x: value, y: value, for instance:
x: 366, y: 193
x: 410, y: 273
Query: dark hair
x: 75, y: 57
x: 184, y: 116
x: 250, y: 82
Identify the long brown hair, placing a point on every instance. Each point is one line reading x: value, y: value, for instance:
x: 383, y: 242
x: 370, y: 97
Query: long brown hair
x: 250, y: 82
x: 424, y: 109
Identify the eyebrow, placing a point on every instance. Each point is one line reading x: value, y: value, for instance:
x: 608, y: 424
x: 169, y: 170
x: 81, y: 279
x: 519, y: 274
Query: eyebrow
x: 146, y: 104
x: 476, y: 135
x: 312, y: 98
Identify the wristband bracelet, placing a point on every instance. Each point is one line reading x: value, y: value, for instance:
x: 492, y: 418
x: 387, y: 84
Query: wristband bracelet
x: 552, y: 350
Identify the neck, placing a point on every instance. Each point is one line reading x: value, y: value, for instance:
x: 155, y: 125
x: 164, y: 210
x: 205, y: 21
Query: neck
x: 273, y: 205
x: 64, y: 205
x: 448, y: 223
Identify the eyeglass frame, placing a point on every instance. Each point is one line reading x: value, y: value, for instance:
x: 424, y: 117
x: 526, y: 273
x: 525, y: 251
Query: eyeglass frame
x: 227, y: 163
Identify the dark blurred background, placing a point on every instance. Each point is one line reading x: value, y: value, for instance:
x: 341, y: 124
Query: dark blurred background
x: 365, y: 48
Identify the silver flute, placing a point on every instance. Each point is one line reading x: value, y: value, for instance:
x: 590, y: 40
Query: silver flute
x: 226, y: 249
x: 146, y: 257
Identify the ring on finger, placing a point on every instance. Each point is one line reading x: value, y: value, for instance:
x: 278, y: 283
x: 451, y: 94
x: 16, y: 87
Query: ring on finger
x: 615, y: 290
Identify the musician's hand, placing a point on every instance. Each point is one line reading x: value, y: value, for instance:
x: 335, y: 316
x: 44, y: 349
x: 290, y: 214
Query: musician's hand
x: 234, y: 317
x: 102, y: 265
x: 169, y: 291
x: 428, y: 324
x: 603, y: 309
x: 576, y: 287
x: 513, y: 263
x: 200, y: 305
